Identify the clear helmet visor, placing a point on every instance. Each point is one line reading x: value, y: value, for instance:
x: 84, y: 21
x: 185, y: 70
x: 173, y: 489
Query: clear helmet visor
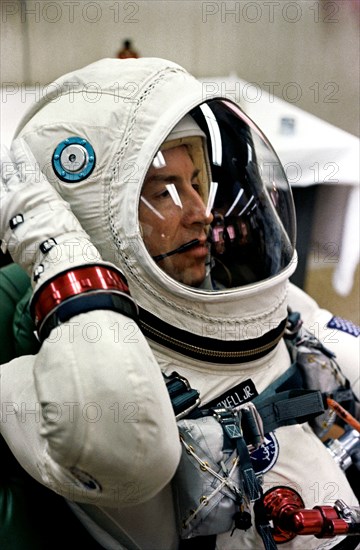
x: 216, y: 210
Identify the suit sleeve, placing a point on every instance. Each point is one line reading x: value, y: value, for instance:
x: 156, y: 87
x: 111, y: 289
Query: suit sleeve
x: 89, y: 415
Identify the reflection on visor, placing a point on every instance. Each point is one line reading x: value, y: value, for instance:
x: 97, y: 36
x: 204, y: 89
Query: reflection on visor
x: 214, y: 134
x: 246, y: 205
x: 212, y: 194
x: 238, y: 197
x: 159, y: 160
x: 149, y: 205
x: 217, y: 210
x: 174, y: 194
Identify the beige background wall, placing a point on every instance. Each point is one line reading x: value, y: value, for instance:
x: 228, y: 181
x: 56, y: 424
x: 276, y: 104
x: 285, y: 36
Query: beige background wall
x: 305, y: 51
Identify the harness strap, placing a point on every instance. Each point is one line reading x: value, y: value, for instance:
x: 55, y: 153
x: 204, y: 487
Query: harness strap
x: 282, y: 409
x: 205, y: 543
x: 231, y: 425
x: 288, y: 408
x: 254, y: 491
x: 262, y: 524
x: 276, y: 408
x: 183, y: 398
x: 290, y: 379
x: 234, y: 438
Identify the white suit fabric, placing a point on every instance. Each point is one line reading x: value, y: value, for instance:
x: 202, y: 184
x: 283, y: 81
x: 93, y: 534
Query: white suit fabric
x: 108, y: 441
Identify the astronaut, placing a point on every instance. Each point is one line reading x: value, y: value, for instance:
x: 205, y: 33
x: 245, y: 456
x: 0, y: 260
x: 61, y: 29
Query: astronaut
x: 107, y: 202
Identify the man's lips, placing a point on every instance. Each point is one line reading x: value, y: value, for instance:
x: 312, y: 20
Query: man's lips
x: 196, y: 247
x: 199, y: 251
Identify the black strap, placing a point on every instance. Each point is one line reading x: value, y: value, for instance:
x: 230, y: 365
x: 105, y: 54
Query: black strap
x: 262, y: 524
x: 231, y: 426
x: 288, y: 408
x: 350, y: 543
x: 183, y: 398
x: 234, y: 438
x: 290, y: 379
x: 197, y: 543
x: 282, y: 409
x: 88, y: 301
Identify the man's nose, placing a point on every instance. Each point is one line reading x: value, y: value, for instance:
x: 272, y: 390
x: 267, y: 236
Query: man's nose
x: 194, y: 209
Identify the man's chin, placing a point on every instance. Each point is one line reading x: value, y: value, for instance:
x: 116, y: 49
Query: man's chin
x: 192, y: 277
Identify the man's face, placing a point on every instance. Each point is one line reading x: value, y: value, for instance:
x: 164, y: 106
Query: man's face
x: 172, y: 213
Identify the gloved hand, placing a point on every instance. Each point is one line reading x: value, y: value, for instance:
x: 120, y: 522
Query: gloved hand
x: 37, y: 226
x: 44, y: 237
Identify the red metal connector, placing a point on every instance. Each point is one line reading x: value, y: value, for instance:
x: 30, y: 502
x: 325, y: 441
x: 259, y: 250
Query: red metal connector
x: 287, y: 511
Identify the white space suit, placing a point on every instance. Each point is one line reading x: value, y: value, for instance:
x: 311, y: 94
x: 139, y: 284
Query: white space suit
x: 108, y: 440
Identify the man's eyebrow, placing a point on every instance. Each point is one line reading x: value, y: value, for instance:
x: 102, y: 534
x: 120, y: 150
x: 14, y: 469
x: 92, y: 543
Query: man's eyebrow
x: 160, y: 178
x: 168, y: 178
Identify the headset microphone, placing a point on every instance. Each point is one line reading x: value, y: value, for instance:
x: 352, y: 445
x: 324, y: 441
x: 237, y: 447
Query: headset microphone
x: 179, y: 250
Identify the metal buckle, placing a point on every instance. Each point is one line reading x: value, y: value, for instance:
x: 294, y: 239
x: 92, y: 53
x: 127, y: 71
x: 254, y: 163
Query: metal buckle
x: 188, y: 410
x: 221, y: 414
x: 244, y: 421
x: 252, y: 426
x: 230, y: 422
x: 175, y: 375
x: 187, y: 389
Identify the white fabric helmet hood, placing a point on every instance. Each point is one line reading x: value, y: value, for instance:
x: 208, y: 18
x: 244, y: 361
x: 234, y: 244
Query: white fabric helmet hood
x: 125, y: 109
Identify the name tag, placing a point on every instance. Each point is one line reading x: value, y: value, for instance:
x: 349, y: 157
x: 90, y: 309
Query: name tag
x: 242, y: 393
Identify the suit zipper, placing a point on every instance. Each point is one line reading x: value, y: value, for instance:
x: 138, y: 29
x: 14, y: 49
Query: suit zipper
x: 210, y: 353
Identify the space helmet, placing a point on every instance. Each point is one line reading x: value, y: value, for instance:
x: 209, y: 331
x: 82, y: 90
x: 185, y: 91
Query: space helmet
x: 162, y: 178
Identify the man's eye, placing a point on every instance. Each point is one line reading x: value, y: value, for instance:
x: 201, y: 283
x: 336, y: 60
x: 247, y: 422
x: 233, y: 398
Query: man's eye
x: 161, y: 193
x: 196, y: 187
